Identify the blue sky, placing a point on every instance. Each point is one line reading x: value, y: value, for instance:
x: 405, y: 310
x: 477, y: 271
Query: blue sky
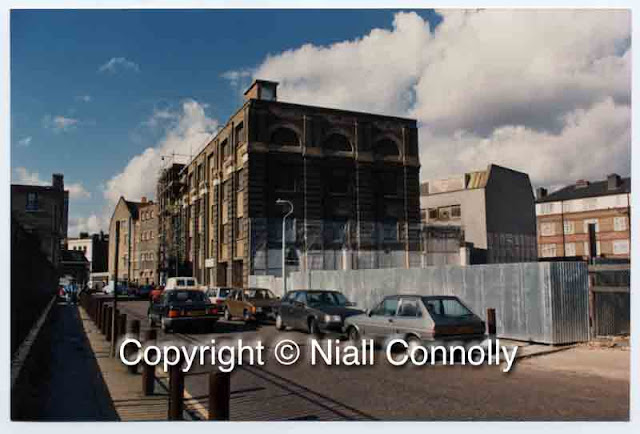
x: 99, y: 95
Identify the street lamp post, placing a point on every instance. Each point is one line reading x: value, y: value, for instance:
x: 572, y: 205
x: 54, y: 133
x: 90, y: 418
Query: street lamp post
x: 284, y: 242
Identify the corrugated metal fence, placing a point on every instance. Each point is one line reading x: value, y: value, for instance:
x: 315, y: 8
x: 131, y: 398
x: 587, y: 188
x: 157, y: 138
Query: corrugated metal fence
x: 539, y: 302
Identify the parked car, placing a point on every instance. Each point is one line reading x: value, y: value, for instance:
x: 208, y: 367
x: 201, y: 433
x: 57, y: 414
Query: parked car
x: 182, y: 307
x: 251, y: 304
x: 144, y: 291
x: 181, y: 283
x: 218, y: 295
x: 417, y: 319
x: 315, y: 311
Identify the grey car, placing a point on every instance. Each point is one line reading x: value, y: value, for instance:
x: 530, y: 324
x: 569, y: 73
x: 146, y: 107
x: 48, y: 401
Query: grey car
x: 417, y: 319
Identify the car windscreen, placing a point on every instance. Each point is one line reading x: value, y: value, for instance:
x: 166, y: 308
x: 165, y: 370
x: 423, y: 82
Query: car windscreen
x: 186, y: 296
x: 258, y: 294
x: 448, y: 308
x: 326, y: 298
x: 224, y: 292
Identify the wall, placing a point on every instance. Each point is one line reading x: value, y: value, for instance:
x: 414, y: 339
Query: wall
x: 538, y: 302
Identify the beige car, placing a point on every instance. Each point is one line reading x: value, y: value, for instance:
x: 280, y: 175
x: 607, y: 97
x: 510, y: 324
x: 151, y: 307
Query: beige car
x: 251, y: 304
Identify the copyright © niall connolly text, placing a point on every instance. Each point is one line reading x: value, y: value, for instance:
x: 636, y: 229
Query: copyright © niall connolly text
x: 330, y: 352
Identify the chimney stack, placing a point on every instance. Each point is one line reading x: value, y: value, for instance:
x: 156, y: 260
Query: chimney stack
x: 581, y: 183
x: 263, y: 90
x: 541, y: 192
x: 613, y: 181
x: 143, y: 199
x: 57, y: 181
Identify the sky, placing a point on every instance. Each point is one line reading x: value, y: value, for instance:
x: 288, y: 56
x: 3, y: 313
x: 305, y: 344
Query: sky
x: 102, y: 95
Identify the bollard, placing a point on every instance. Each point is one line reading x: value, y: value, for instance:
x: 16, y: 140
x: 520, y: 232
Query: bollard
x: 119, y: 330
x: 491, y: 321
x: 148, y: 371
x: 133, y: 332
x: 219, y: 395
x: 176, y: 392
x: 98, y: 308
x: 103, y: 317
x: 107, y: 322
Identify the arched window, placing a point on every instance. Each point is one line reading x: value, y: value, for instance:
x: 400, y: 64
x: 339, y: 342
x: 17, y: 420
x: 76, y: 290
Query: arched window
x: 386, y: 148
x: 285, y: 137
x: 337, y: 142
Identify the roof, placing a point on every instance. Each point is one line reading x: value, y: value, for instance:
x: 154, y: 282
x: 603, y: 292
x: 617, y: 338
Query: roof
x: 133, y: 207
x: 593, y: 189
x: 72, y: 256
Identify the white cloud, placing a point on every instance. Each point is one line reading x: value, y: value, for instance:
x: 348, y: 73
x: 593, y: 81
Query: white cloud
x: 60, y: 123
x: 25, y: 142
x: 25, y: 177
x: 185, y: 132
x: 84, y: 98
x: 543, y: 91
x: 92, y: 224
x: 116, y: 64
x: 237, y: 77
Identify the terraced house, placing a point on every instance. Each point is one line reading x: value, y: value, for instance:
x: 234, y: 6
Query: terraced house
x: 352, y: 178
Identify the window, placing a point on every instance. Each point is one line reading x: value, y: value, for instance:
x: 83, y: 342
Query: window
x: 285, y: 137
x: 620, y: 223
x: 223, y: 234
x: 390, y: 184
x: 388, y: 307
x: 569, y: 227
x: 385, y: 148
x: 621, y: 247
x: 548, y: 250
x: 301, y: 297
x: 455, y: 211
x: 224, y: 149
x: 337, y: 142
x: 240, y: 133
x: 445, y: 307
x: 339, y: 181
x: 409, y: 308
x: 32, y: 201
x: 337, y: 231
x: 390, y: 229
x: 286, y: 179
x: 200, y: 173
x: 433, y: 213
x: 547, y: 229
x: 570, y: 249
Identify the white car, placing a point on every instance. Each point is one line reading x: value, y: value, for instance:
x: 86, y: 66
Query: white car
x: 181, y: 283
x: 218, y: 294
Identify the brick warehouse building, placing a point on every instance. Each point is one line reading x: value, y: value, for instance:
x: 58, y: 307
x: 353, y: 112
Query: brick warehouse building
x: 564, y: 217
x: 353, y: 179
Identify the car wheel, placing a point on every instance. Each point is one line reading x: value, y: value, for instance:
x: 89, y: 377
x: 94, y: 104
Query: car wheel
x: 353, y: 335
x: 313, y: 327
x: 413, y: 342
x: 227, y: 315
x: 279, y: 323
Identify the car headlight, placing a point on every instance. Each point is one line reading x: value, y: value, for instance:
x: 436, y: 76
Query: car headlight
x: 332, y: 318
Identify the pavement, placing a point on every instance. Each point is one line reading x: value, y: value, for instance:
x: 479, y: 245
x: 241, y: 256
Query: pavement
x: 61, y: 380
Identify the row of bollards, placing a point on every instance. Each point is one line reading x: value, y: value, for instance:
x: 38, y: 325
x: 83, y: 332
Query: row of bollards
x: 101, y: 313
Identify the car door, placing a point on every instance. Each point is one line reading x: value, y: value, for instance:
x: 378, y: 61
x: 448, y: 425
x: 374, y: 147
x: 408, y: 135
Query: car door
x: 381, y: 322
x: 299, y: 311
x: 231, y: 302
x: 409, y: 320
x: 286, y: 308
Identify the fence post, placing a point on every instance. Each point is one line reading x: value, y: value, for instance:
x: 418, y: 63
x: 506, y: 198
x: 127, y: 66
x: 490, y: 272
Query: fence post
x: 219, y: 395
x: 107, y: 323
x: 148, y: 371
x: 491, y: 321
x: 133, y: 332
x: 176, y: 392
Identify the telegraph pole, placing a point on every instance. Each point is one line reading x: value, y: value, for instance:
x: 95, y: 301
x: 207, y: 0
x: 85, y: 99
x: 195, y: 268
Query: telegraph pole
x: 115, y: 293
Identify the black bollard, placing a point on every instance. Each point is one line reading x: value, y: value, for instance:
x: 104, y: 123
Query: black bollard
x: 176, y: 392
x: 148, y: 371
x: 219, y: 395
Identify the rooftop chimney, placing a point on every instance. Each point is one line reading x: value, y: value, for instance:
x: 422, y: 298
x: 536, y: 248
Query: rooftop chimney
x: 143, y: 199
x: 613, y: 181
x: 262, y: 89
x: 581, y: 183
x: 57, y: 181
x: 541, y: 192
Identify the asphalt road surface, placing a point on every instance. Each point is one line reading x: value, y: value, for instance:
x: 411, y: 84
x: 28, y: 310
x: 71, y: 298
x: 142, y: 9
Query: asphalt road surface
x: 531, y: 391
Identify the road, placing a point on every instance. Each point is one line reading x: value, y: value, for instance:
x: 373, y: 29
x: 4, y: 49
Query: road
x: 531, y: 391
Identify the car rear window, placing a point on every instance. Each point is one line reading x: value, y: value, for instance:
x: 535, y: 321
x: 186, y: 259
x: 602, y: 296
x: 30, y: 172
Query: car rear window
x: 224, y: 292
